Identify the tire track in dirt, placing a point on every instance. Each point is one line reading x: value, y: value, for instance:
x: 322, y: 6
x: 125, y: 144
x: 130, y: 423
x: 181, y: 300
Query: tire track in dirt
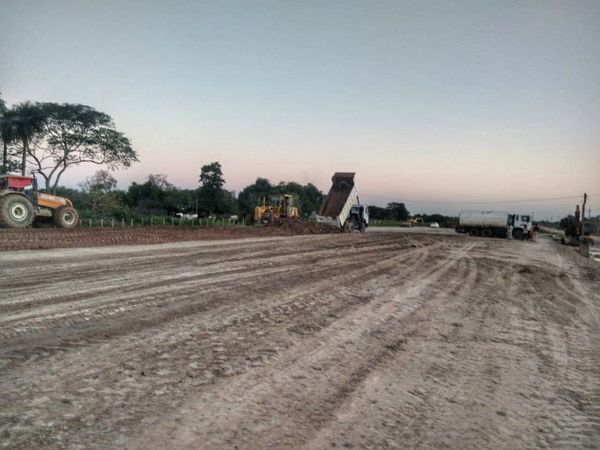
x: 321, y: 356
x: 390, y: 342
x: 96, y: 308
x: 385, y: 266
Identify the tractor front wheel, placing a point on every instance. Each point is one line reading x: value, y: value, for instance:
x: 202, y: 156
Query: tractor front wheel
x: 65, y: 217
x: 16, y: 211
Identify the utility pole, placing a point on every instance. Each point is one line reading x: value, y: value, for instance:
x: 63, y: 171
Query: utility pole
x: 582, y: 232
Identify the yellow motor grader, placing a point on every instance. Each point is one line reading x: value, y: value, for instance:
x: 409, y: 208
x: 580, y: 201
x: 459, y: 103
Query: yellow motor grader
x: 274, y: 207
x: 21, y: 203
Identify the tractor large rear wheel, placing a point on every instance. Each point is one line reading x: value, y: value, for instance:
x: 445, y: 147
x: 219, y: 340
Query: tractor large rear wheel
x: 65, y: 217
x: 16, y: 211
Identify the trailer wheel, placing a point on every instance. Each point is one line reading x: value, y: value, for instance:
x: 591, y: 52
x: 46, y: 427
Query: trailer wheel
x: 16, y: 211
x: 66, y: 217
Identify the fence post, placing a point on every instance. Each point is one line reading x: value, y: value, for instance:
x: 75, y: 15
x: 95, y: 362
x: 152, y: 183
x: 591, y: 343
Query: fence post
x: 112, y: 222
x: 172, y: 221
x: 163, y: 221
x: 123, y: 222
x: 131, y: 223
x: 90, y: 223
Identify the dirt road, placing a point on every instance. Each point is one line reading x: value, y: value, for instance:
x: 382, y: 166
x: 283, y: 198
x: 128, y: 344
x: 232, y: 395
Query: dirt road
x: 375, y: 340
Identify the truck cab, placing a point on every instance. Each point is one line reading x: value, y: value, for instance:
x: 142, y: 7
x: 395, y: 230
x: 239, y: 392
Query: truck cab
x: 359, y: 217
x: 521, y: 224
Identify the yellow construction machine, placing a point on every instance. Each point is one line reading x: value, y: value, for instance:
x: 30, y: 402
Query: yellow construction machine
x: 21, y: 203
x: 274, y: 207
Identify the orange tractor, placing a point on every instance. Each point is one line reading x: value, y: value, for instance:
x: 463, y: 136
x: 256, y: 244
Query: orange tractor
x: 21, y: 203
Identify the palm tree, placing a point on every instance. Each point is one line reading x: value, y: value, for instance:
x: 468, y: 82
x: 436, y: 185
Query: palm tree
x: 28, y: 119
x: 8, y: 135
x: 2, y: 119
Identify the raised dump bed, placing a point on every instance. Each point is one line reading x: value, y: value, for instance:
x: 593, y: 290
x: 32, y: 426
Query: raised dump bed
x: 338, y: 203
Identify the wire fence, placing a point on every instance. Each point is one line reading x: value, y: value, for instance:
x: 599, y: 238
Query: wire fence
x: 112, y: 222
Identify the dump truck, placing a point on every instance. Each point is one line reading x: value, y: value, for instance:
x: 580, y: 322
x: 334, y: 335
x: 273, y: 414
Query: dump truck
x: 21, y: 203
x: 494, y: 223
x: 342, y: 207
x: 274, y: 207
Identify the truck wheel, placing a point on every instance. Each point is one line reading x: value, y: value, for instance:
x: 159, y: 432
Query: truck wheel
x: 348, y: 226
x: 518, y: 234
x: 66, y: 217
x: 474, y: 232
x: 486, y: 232
x: 363, y: 226
x: 16, y: 211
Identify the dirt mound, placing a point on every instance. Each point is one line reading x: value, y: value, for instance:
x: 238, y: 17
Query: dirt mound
x: 46, y: 238
x: 296, y: 226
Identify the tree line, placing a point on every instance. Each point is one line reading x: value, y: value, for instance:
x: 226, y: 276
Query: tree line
x: 98, y: 196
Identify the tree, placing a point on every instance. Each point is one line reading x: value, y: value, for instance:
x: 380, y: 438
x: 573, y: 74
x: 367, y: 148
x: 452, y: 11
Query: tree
x: 73, y: 134
x: 251, y: 195
x: 26, y: 120
x: 7, y: 134
x: 398, y: 211
x: 211, y: 194
x: 100, y: 187
x: 153, y: 196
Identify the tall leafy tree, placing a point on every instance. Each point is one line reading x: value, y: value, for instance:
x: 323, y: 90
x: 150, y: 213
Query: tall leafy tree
x: 100, y: 188
x: 74, y: 134
x: 251, y: 195
x: 211, y: 193
x: 153, y: 196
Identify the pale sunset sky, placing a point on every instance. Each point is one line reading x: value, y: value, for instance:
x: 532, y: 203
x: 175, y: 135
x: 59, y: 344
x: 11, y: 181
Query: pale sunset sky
x: 435, y: 103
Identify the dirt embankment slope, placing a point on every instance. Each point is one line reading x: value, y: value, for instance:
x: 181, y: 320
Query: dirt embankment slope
x: 46, y: 238
x: 366, y: 341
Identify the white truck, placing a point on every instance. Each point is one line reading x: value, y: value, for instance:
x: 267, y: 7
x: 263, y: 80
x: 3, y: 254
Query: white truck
x: 342, y: 207
x: 494, y: 223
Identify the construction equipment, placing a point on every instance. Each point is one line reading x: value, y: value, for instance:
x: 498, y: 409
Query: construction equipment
x: 494, y: 223
x: 577, y: 230
x: 21, y: 203
x: 342, y: 207
x: 275, y: 207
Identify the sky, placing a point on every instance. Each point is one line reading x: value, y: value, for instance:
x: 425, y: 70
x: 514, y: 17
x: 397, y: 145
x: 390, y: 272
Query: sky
x: 443, y: 105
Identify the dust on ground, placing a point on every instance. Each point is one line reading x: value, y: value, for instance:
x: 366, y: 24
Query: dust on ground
x: 375, y: 340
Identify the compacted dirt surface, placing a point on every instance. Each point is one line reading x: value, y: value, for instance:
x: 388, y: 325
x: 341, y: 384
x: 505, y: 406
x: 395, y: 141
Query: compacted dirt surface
x: 375, y: 340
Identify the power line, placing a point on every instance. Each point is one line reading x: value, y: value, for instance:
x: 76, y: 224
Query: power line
x: 482, y: 202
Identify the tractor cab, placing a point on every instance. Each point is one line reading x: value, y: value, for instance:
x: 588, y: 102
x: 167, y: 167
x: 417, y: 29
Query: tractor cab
x: 15, y: 182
